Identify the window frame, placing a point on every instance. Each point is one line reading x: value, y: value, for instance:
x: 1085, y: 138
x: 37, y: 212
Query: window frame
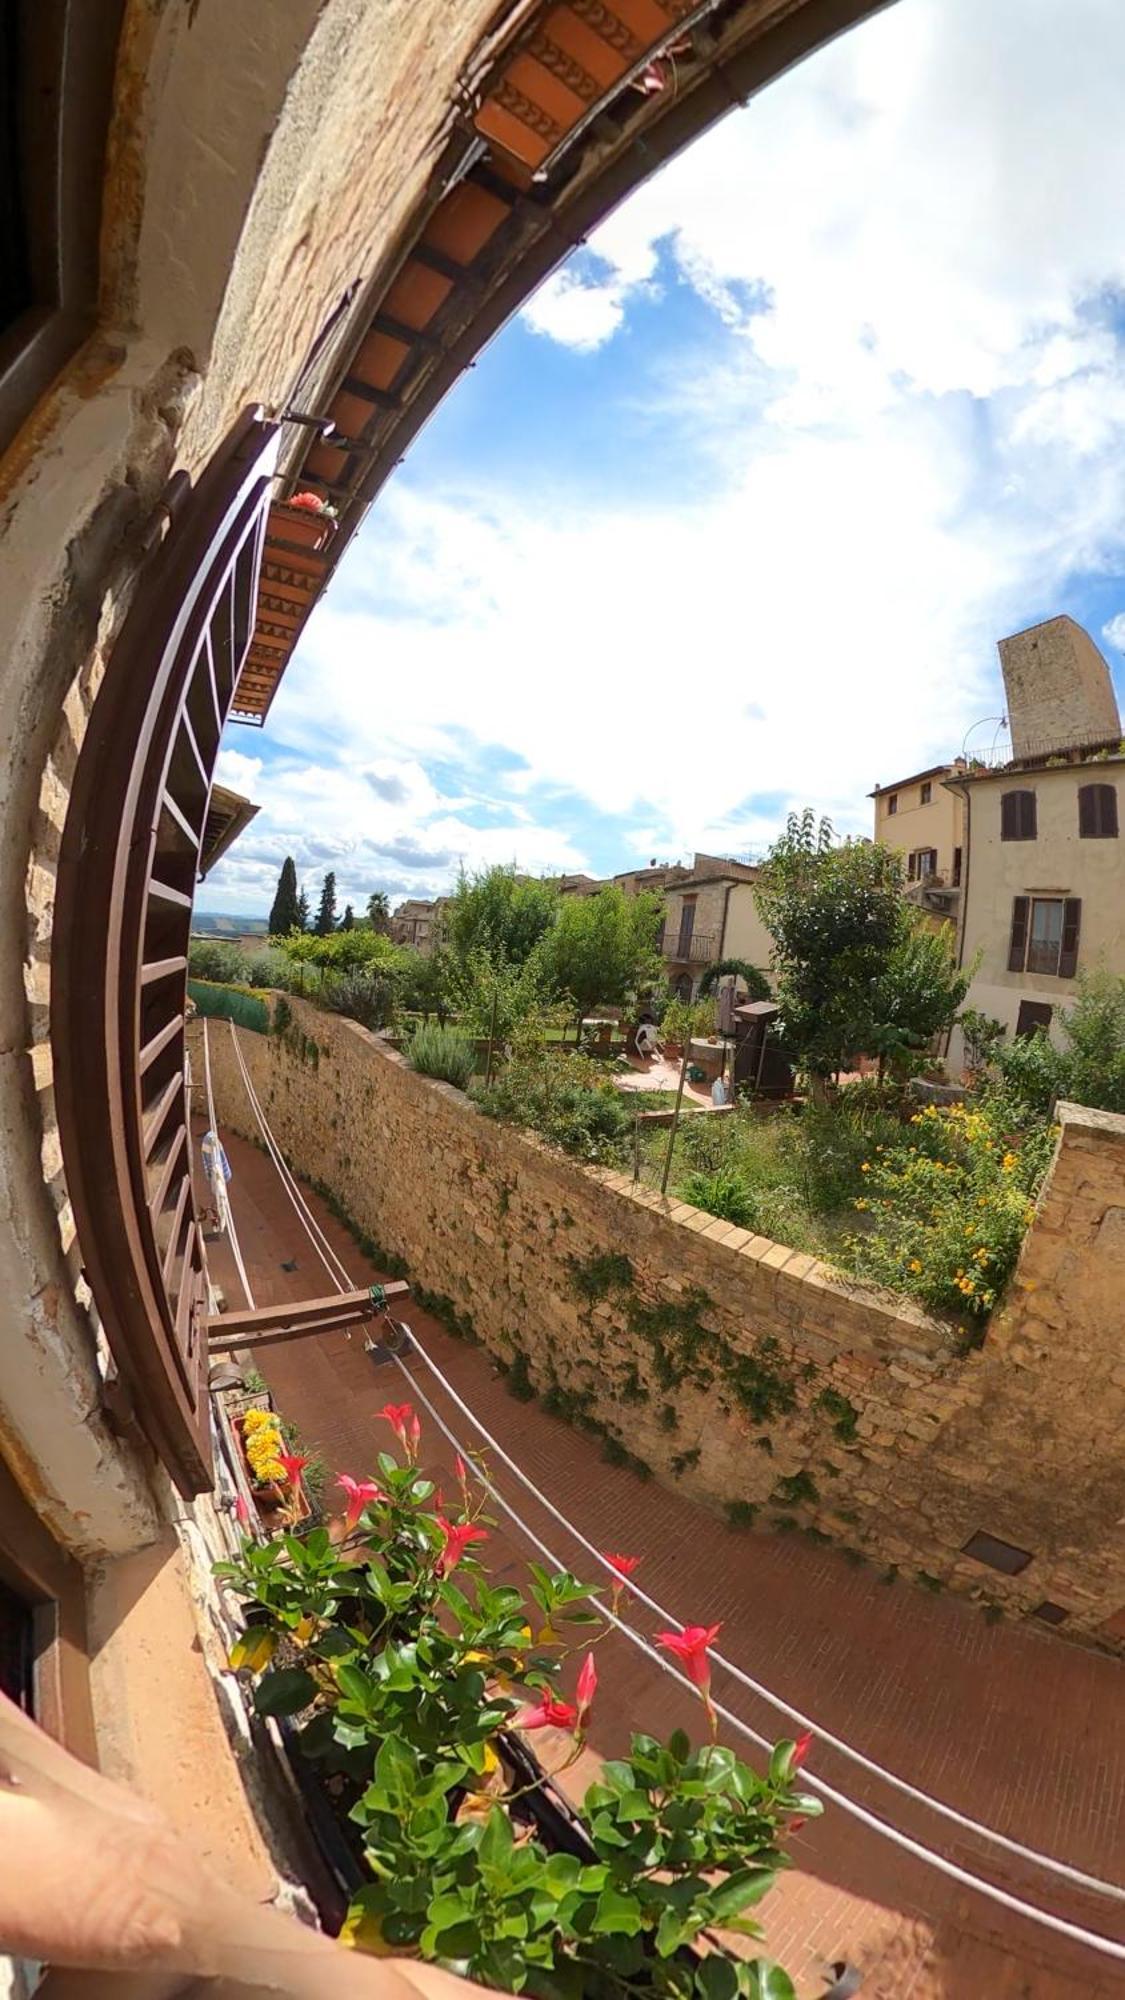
x: 892, y: 804
x: 1020, y: 936
x: 925, y: 793
x: 50, y: 1582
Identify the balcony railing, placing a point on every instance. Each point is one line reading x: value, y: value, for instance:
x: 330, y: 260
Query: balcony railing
x: 691, y: 948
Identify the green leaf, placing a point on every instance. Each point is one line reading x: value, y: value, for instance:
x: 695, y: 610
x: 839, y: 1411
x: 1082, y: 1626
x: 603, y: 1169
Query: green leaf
x: 357, y: 1686
x: 740, y: 1892
x: 670, y: 1933
x: 679, y: 1746
x: 764, y: 1980
x: 635, y: 1806
x: 618, y: 1913
x: 496, y: 1841
x: 717, y: 1978
x: 781, y: 1762
x: 284, y: 1692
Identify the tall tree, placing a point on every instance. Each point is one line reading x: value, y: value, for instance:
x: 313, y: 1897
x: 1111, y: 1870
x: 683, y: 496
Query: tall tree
x: 303, y: 911
x: 379, y: 912
x: 855, y: 974
x: 602, y: 947
x: 285, y: 915
x: 326, y: 913
x: 497, y: 914
x: 347, y: 921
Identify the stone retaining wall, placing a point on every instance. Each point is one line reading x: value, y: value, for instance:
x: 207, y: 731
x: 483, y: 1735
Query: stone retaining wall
x: 744, y: 1371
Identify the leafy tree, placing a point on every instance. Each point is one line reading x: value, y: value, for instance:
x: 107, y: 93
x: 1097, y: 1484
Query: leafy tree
x: 379, y: 912
x: 303, y: 911
x: 326, y: 913
x: 917, y: 994
x: 497, y: 914
x: 1090, y: 1067
x: 285, y: 913
x: 344, y: 951
x: 836, y: 915
x: 602, y: 946
x: 426, y: 982
x: 347, y: 921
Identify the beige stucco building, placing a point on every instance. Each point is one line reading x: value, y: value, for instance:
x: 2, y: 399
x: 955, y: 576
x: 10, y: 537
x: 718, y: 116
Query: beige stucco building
x: 1044, y: 876
x: 1045, y: 885
x: 924, y: 822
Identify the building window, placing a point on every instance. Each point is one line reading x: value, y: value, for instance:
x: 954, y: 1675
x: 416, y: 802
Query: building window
x: 1004, y: 1556
x: 1017, y: 816
x: 892, y: 803
x: 1097, y: 812
x: 927, y: 793
x: 955, y: 878
x: 922, y: 863
x: 1044, y: 935
x: 1033, y: 1015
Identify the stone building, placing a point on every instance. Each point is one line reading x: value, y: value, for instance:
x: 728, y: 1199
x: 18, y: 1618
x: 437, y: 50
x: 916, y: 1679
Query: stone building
x: 710, y: 915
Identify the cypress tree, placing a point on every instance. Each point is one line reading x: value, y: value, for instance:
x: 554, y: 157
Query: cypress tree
x: 347, y: 921
x: 326, y: 914
x: 302, y: 911
x: 285, y: 914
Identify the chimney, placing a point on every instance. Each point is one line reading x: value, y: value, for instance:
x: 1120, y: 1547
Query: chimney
x: 1059, y: 690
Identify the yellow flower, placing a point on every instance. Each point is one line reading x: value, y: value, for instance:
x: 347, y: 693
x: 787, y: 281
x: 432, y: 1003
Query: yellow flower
x: 915, y: 1263
x: 981, y: 1255
x: 1008, y: 1162
x: 866, y: 1167
x: 863, y: 1204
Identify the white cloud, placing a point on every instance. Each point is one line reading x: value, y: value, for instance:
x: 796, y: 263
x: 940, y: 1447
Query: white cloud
x: 1114, y: 631
x: 907, y: 435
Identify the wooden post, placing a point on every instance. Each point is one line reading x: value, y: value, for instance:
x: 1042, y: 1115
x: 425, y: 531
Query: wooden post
x: 675, y: 1126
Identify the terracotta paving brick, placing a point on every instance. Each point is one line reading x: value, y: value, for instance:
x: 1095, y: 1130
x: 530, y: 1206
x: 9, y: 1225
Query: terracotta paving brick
x: 1006, y: 1723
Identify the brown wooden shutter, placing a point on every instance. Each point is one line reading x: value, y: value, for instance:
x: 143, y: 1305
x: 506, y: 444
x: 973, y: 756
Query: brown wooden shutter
x: 127, y: 871
x: 1027, y: 823
x: 1008, y: 822
x: 1017, y: 946
x: 911, y: 867
x: 1097, y: 812
x: 1068, y: 953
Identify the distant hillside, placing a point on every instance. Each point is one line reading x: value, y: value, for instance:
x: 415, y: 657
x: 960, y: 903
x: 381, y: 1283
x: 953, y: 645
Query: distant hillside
x: 216, y: 923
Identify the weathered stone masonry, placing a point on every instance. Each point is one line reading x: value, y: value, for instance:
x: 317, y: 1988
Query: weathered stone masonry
x: 744, y: 1371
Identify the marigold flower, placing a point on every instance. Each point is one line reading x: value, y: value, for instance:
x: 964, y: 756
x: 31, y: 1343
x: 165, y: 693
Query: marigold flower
x: 360, y: 1492
x: 455, y: 1540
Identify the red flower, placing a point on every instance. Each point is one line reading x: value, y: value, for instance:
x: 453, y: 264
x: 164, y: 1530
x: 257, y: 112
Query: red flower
x: 360, y: 1492
x: 801, y: 1750
x: 586, y: 1690
x: 547, y: 1713
x: 242, y: 1510
x: 398, y: 1415
x: 795, y: 1824
x: 455, y: 1540
x: 294, y: 1465
x: 460, y: 1468
x: 415, y: 1434
x: 624, y: 1565
x: 311, y: 503
x: 690, y: 1647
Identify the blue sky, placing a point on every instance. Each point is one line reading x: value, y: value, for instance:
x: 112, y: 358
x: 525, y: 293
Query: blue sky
x: 731, y: 518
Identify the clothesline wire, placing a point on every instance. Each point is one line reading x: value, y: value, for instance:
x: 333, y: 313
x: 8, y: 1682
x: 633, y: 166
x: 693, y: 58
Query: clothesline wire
x: 212, y: 1127
x: 1060, y: 1925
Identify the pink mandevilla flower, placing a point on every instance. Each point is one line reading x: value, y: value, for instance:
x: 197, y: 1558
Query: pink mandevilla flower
x: 310, y: 502
x: 398, y: 1416
x: 547, y: 1713
x: 624, y: 1565
x: 801, y: 1749
x: 360, y: 1492
x: 242, y: 1510
x: 455, y: 1540
x: 690, y: 1647
x: 294, y: 1465
x: 586, y: 1689
x: 415, y: 1433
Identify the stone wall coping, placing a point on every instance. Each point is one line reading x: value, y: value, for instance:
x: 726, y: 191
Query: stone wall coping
x: 790, y: 1266
x: 1101, y: 1125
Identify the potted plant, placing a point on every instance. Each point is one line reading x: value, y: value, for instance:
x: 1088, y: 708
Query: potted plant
x: 414, y: 1688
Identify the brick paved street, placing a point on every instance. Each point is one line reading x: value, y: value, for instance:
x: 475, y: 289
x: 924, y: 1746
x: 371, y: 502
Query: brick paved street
x: 1003, y: 1721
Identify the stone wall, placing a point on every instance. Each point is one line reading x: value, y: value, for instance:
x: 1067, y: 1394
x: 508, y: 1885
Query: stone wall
x: 741, y: 1370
